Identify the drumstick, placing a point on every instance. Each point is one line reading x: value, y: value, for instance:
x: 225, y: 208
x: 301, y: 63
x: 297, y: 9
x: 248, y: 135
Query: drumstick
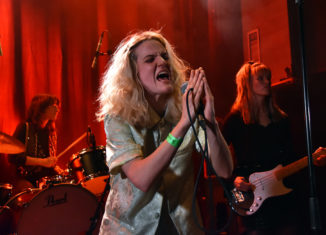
x: 70, y: 146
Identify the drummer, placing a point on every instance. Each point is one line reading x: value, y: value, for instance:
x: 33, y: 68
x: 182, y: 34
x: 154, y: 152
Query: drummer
x: 39, y: 135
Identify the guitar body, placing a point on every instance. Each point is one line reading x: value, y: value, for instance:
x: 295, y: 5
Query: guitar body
x: 265, y: 184
x: 269, y: 184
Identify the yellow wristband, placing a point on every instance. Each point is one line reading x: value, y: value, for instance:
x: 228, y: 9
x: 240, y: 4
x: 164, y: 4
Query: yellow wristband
x: 175, y: 142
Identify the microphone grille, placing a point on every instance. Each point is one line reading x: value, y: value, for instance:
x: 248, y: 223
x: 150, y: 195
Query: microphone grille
x: 184, y: 87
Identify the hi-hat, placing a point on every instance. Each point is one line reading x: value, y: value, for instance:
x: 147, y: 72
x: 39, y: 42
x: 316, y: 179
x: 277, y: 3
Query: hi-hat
x: 10, y: 145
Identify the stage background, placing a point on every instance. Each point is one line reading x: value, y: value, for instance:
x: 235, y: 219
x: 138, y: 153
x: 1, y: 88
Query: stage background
x: 48, y: 47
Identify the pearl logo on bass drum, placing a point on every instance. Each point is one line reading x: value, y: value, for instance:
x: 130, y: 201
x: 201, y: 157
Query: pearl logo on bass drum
x: 52, y: 201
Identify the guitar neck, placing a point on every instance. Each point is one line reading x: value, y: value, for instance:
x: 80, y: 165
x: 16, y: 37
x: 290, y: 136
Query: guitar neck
x: 291, y: 168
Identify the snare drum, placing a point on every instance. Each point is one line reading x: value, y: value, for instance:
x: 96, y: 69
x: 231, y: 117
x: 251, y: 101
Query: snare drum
x: 90, y: 170
x: 59, y: 209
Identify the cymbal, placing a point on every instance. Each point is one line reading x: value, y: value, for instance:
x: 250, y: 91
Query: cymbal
x: 11, y: 145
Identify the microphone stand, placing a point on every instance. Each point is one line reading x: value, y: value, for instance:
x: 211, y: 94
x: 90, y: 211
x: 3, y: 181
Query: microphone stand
x: 313, y: 200
x: 97, y: 214
x: 94, y: 219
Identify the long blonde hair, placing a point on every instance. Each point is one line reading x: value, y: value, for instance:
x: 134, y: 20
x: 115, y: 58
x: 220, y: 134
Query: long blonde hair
x: 245, y: 102
x: 121, y: 92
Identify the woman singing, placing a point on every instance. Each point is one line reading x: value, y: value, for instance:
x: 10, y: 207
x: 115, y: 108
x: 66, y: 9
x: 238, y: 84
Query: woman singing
x: 149, y: 139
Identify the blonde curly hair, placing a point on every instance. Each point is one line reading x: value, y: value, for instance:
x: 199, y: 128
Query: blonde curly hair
x: 121, y: 92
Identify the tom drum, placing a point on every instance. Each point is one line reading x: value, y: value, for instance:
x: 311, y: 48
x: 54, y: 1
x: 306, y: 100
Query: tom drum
x: 90, y: 170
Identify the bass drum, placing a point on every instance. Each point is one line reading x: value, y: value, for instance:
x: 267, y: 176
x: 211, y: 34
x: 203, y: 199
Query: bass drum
x: 60, y: 209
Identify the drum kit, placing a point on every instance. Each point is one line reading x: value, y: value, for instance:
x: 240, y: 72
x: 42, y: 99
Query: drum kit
x: 69, y: 203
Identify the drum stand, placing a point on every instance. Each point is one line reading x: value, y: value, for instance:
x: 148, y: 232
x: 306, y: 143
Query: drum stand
x: 96, y: 216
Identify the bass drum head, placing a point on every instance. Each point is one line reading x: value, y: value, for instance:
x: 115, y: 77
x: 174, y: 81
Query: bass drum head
x: 60, y: 209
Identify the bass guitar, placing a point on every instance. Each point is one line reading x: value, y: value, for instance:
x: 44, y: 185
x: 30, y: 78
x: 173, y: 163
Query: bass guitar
x: 268, y: 184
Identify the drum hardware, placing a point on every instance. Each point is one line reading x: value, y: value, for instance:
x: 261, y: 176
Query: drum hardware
x: 5, y: 193
x: 49, y: 181
x: 10, y: 145
x: 22, y: 199
x: 91, y: 142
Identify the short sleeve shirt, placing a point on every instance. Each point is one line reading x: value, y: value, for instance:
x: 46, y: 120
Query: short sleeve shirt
x: 132, y: 211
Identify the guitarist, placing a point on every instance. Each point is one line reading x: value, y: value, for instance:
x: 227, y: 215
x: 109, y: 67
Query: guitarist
x: 39, y: 135
x: 259, y: 132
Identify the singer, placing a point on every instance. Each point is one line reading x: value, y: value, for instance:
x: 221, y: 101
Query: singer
x: 149, y: 139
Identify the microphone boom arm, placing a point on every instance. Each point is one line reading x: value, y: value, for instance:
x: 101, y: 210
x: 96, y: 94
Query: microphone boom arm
x: 98, y: 52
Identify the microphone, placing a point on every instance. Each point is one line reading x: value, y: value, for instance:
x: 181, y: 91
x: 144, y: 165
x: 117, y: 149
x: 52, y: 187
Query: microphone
x: 97, y: 53
x: 184, y: 87
x: 90, y: 138
x: 200, y: 110
x: 201, y: 107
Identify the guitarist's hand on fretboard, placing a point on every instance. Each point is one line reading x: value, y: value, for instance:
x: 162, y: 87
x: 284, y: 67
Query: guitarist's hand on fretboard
x: 321, y: 159
x: 242, y: 184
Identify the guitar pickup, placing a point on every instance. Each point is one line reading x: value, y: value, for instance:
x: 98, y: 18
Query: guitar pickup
x: 238, y: 195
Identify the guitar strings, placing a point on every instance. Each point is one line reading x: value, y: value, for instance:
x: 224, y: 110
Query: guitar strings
x: 271, y: 176
x: 262, y: 180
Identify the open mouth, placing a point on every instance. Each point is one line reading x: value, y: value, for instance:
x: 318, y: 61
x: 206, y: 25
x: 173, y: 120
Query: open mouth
x: 164, y: 75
